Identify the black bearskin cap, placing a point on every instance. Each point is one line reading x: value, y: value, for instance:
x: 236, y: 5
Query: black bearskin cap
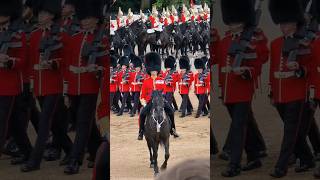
x: 286, y: 11
x: 124, y: 60
x: 170, y: 62
x: 238, y: 11
x: 113, y: 62
x: 184, y: 63
x: 199, y: 63
x: 152, y: 62
x: 89, y: 8
x: 12, y: 8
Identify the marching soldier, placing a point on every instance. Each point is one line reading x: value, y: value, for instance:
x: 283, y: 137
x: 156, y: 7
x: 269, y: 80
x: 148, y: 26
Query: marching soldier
x: 201, y: 84
x: 113, y: 79
x: 124, y: 82
x: 171, y: 77
x: 150, y: 84
x: 47, y: 58
x: 289, y: 84
x: 12, y: 63
x: 83, y: 75
x: 185, y: 82
x: 136, y: 79
x: 238, y: 77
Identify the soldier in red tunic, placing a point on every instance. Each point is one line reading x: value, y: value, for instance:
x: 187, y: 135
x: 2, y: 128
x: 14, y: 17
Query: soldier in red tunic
x: 124, y: 82
x: 47, y: 60
x: 136, y: 79
x: 185, y: 82
x: 12, y: 64
x: 201, y: 84
x: 113, y: 78
x: 238, y: 79
x: 150, y: 84
x: 87, y: 58
x: 171, y: 77
x: 288, y: 81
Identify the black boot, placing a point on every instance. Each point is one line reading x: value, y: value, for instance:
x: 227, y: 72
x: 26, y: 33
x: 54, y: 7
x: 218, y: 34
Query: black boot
x: 304, y: 167
x: 73, y: 167
x: 252, y: 165
x: 316, y: 173
x: 174, y: 133
x: 64, y: 161
x: 18, y: 160
x: 30, y: 166
x: 278, y: 173
x: 140, y: 136
x: 231, y: 171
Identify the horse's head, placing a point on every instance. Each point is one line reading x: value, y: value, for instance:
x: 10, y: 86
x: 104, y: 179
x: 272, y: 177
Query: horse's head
x: 158, y: 105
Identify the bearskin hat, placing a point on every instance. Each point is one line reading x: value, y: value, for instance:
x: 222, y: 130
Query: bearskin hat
x: 170, y: 62
x: 205, y: 60
x: 136, y: 61
x: 285, y: 11
x: 71, y: 2
x: 235, y: 11
x: 12, y: 8
x: 28, y: 3
x: 127, y: 50
x: 113, y: 62
x: 124, y: 60
x: 52, y: 6
x: 184, y: 63
x: 89, y: 8
x: 198, y: 63
x: 152, y: 62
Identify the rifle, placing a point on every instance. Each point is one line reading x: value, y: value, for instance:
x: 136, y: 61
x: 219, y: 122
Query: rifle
x: 125, y: 77
x: 298, y: 44
x: 92, y: 51
x: 113, y: 75
x: 237, y: 49
x: 50, y: 44
x: 186, y: 78
x: 139, y: 78
x: 169, y: 79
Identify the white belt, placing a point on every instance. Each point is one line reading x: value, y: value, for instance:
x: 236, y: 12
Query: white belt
x: 184, y: 83
x: 80, y: 70
x: 39, y: 67
x: 284, y: 75
x: 199, y: 85
x: 226, y: 69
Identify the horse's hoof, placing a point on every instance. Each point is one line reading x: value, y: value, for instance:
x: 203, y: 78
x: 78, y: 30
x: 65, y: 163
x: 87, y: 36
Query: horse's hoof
x: 156, y: 174
x: 163, y: 167
x: 151, y: 165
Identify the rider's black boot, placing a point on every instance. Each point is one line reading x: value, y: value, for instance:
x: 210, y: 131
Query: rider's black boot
x: 174, y: 133
x: 140, y: 136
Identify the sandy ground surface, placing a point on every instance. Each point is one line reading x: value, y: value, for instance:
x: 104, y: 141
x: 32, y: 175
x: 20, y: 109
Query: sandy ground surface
x: 48, y: 171
x: 130, y: 157
x: 267, y: 117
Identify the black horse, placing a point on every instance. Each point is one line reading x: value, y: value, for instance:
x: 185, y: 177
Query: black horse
x: 139, y: 29
x: 157, y: 131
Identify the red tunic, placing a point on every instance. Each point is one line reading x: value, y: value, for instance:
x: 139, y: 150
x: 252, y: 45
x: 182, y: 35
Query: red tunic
x: 82, y: 83
x: 149, y: 85
x: 135, y: 86
x: 286, y: 89
x: 170, y: 87
x: 231, y: 83
x: 172, y: 19
x: 185, y: 84
x: 11, y: 79
x: 124, y: 82
x: 46, y: 81
x: 183, y: 18
x: 201, y: 87
x: 114, y: 82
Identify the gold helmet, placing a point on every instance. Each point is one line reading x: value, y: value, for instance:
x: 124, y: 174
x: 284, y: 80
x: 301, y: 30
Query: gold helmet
x: 130, y: 13
x: 154, y: 11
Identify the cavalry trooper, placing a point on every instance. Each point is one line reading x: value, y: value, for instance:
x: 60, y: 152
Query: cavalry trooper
x: 238, y: 77
x: 174, y: 15
x: 46, y: 60
x: 206, y: 13
x: 201, y: 84
x: 124, y: 82
x: 129, y: 19
x: 136, y: 80
x: 171, y: 77
x: 167, y: 20
x: 87, y: 58
x: 120, y: 19
x: 183, y: 17
x: 113, y: 79
x: 185, y: 82
x: 153, y: 83
x: 142, y: 16
x: 12, y: 62
x: 288, y: 81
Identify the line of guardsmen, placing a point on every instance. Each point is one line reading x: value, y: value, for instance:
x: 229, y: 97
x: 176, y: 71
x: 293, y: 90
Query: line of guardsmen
x: 53, y: 57
x: 167, y: 17
x: 294, y: 80
x: 127, y: 75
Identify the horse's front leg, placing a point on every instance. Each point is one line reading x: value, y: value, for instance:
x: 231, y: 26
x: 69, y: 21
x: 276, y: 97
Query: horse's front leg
x: 155, y: 158
x: 150, y: 153
x: 166, y: 155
